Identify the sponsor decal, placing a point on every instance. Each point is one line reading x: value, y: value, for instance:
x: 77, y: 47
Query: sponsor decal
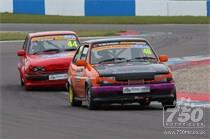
x: 69, y: 36
x: 58, y: 76
x: 105, y: 44
x: 142, y: 45
x: 111, y: 47
x: 57, y: 37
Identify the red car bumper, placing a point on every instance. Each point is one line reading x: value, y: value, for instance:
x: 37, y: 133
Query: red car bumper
x: 36, y: 81
x: 46, y: 83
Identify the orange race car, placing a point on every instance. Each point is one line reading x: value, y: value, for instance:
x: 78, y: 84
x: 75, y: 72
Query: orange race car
x: 119, y: 70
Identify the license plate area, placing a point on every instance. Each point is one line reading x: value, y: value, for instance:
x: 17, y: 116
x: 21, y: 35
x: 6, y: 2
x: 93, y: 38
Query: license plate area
x: 58, y: 76
x: 139, y: 89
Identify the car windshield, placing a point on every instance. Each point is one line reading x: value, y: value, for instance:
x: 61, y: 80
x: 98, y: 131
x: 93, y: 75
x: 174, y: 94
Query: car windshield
x: 56, y: 43
x: 122, y: 52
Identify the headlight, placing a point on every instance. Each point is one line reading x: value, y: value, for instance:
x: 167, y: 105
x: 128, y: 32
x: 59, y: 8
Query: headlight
x: 110, y: 78
x: 105, y: 80
x: 37, y: 69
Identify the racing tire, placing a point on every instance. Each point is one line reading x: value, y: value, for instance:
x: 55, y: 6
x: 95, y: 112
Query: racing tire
x: 169, y: 104
x: 21, y: 82
x: 71, y: 98
x: 91, y: 104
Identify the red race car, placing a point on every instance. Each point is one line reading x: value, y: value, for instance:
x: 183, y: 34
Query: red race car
x: 45, y: 58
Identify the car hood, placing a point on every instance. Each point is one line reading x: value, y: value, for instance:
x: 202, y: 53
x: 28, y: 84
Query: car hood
x: 51, y: 62
x: 132, y: 71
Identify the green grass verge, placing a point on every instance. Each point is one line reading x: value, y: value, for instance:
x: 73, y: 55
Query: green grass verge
x: 5, y: 36
x: 23, y: 18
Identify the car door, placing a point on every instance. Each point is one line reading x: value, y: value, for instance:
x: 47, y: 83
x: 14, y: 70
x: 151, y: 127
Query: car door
x: 81, y: 74
x: 74, y: 69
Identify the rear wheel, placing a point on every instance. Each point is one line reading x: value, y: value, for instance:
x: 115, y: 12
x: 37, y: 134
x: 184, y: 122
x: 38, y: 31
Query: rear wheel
x: 71, y: 98
x: 169, y: 104
x: 90, y: 102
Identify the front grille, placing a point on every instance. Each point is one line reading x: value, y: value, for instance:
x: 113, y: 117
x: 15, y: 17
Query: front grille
x: 135, y: 76
x: 42, y: 75
x: 48, y: 72
x: 130, y: 82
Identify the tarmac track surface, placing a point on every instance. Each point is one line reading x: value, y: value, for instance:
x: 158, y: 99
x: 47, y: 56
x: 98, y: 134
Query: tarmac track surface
x: 45, y: 114
x: 191, y: 39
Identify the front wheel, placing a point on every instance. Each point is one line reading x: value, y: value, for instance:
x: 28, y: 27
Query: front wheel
x: 90, y: 102
x: 71, y: 98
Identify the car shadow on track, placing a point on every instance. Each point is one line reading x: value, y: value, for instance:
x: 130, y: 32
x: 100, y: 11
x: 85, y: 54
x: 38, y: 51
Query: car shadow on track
x: 126, y: 107
x: 47, y: 89
x: 117, y: 107
x: 42, y: 89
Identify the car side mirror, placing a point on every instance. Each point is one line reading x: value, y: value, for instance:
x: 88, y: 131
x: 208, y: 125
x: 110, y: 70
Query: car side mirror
x: 163, y: 58
x: 21, y: 52
x: 81, y: 63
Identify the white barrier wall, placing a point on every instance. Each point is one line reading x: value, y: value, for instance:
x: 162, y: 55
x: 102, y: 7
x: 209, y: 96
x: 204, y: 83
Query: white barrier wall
x: 151, y: 7
x: 6, y: 6
x: 65, y: 7
x: 195, y: 8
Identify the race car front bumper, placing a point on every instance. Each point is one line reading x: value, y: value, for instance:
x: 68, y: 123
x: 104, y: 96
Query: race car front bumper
x: 162, y: 92
x: 42, y: 80
x: 46, y: 83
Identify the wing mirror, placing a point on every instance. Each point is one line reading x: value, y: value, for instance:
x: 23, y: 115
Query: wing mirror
x: 21, y: 52
x: 163, y: 58
x: 81, y: 63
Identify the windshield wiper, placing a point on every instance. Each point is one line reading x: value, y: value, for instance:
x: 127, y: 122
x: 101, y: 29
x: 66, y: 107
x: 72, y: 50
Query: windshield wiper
x: 111, y: 60
x: 48, y: 50
x: 71, y: 49
x: 143, y: 58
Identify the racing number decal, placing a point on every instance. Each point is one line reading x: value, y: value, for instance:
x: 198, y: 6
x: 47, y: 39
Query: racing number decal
x: 72, y: 43
x: 147, y: 51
